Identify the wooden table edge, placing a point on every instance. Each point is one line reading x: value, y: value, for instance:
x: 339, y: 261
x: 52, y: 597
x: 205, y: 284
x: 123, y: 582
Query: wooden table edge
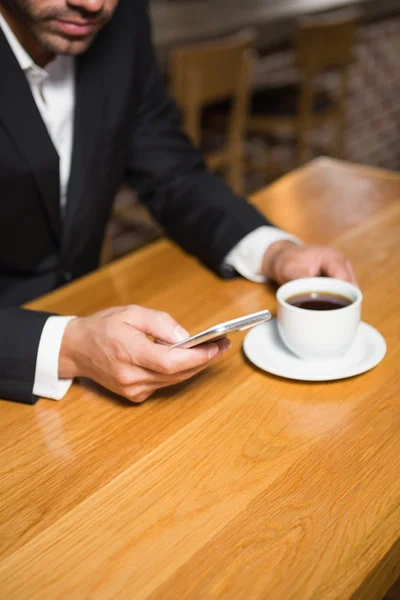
x: 326, y: 161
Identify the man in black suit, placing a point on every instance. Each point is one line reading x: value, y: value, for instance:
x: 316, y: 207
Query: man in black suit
x: 82, y: 107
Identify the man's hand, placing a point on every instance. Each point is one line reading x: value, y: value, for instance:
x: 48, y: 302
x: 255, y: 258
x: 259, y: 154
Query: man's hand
x: 284, y: 261
x: 112, y: 347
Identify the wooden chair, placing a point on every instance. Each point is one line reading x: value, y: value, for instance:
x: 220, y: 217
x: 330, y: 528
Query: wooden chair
x: 323, y: 43
x: 208, y: 73
x: 106, y: 254
x: 135, y: 218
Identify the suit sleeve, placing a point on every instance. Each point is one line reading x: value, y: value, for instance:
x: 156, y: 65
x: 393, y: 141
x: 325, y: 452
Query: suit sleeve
x: 195, y: 208
x: 20, y: 332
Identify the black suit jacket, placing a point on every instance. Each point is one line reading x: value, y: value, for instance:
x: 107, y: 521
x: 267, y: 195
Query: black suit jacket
x: 126, y: 127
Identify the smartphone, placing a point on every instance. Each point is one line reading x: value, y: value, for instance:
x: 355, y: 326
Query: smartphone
x: 212, y: 334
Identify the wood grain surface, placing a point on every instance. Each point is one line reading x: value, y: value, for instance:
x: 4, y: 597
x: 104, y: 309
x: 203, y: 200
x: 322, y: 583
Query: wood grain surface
x: 237, y: 484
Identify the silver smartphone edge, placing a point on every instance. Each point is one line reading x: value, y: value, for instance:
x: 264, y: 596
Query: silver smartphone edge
x: 223, y: 329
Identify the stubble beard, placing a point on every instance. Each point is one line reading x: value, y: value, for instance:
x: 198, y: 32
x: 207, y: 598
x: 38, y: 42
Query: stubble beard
x: 50, y: 41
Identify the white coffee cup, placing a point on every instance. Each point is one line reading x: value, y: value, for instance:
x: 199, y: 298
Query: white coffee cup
x: 318, y: 334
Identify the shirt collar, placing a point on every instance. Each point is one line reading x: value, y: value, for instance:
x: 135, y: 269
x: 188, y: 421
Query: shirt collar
x: 25, y: 61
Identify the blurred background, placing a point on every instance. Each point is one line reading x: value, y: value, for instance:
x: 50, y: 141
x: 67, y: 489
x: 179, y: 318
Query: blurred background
x: 266, y: 85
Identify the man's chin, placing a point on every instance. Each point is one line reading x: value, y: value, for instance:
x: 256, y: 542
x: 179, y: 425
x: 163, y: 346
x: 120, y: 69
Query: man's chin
x: 57, y: 44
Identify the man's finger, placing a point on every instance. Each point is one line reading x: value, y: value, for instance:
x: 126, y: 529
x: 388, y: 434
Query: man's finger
x: 152, y: 377
x: 159, y: 325
x: 169, y: 361
x: 297, y: 270
x: 339, y: 269
x: 166, y: 380
x: 353, y: 276
x: 155, y: 381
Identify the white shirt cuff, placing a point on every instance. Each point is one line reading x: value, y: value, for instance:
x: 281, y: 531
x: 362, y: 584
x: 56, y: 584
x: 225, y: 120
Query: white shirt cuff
x: 47, y: 384
x: 247, y: 256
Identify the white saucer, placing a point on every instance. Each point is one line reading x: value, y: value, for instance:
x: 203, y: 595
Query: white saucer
x: 265, y: 349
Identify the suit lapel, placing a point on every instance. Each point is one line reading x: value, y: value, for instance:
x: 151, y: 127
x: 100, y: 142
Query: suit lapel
x: 22, y: 120
x: 88, y: 122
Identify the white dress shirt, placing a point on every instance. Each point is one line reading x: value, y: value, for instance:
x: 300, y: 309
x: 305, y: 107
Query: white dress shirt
x: 53, y: 90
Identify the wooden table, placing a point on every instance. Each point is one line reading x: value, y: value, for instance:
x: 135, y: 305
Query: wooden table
x: 238, y: 484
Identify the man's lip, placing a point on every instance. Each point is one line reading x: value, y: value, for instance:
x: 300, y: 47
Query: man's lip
x: 76, y: 29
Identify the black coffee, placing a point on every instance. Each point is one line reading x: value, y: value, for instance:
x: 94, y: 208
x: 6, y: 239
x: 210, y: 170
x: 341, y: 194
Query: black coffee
x: 319, y: 301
